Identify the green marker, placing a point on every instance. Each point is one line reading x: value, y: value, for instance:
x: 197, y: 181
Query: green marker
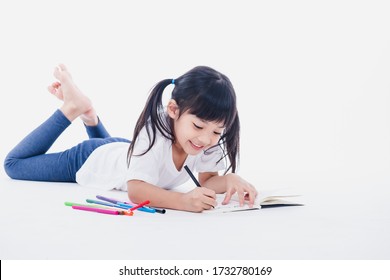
x: 89, y: 205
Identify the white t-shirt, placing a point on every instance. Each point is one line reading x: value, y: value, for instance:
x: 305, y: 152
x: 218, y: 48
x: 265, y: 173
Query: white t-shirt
x: 106, y: 167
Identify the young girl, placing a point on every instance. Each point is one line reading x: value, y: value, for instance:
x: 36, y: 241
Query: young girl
x: 199, y: 128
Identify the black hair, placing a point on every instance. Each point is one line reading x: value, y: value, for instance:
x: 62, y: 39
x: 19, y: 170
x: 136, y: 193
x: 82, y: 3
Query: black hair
x: 203, y: 92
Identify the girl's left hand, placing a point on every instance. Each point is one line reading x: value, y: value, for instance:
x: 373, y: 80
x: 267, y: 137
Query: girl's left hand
x: 244, y: 189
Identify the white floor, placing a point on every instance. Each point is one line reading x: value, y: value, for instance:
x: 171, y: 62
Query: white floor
x: 35, y: 224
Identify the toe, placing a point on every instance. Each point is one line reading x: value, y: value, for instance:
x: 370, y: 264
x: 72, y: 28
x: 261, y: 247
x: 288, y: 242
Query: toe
x: 56, y: 84
x: 61, y: 73
x: 51, y: 89
x: 62, y: 67
x: 57, y: 73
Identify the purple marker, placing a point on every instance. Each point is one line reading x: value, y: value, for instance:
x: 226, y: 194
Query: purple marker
x: 112, y: 200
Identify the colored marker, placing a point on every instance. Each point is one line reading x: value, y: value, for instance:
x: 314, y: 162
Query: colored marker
x: 107, y: 199
x: 102, y: 211
x: 140, y: 205
x: 98, y: 210
x: 192, y: 176
x: 98, y: 207
x: 144, y: 209
x: 160, y: 211
x: 125, y: 203
x: 106, y: 204
x: 86, y: 205
x: 157, y: 210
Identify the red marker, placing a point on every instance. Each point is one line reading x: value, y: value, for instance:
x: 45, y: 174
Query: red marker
x: 139, y: 205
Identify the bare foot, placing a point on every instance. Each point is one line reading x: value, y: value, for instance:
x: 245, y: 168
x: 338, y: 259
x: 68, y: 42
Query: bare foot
x: 75, y: 102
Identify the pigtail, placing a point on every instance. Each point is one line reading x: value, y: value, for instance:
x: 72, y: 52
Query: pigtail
x: 231, y: 142
x: 152, y: 119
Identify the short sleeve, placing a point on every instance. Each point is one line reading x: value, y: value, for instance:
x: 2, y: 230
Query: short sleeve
x: 211, y: 160
x: 144, y: 167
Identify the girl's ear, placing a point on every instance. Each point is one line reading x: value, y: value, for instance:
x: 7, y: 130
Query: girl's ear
x: 173, y: 109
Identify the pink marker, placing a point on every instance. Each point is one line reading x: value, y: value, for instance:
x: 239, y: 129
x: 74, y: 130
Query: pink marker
x: 100, y: 210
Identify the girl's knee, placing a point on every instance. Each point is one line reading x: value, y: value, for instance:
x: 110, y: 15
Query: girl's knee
x: 9, y: 167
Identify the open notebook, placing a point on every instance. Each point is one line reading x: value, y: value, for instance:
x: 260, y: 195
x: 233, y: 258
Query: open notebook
x: 265, y: 199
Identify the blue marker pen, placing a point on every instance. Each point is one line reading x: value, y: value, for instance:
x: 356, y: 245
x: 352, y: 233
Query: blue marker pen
x: 144, y: 209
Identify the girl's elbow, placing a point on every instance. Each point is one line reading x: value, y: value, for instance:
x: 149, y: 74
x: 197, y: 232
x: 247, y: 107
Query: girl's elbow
x: 134, y: 191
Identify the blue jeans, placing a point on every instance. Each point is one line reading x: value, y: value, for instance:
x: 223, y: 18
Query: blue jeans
x: 29, y: 160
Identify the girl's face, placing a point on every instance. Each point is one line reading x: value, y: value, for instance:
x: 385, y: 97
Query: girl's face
x: 193, y: 134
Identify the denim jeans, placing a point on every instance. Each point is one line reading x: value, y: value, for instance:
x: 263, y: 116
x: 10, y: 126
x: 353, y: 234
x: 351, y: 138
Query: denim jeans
x: 29, y: 160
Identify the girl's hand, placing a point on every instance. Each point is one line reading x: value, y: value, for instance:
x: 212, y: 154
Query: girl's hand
x: 199, y: 199
x: 244, y: 189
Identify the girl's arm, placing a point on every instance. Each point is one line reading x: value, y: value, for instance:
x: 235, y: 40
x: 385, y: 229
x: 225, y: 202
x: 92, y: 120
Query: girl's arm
x: 212, y: 180
x: 229, y: 184
x: 197, y: 200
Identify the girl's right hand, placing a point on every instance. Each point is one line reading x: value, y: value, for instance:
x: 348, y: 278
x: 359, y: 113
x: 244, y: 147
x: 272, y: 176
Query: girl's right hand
x: 199, y: 199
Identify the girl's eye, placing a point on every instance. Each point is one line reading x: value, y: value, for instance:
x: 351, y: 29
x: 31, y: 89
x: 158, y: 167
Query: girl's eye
x: 197, y: 126
x: 218, y: 133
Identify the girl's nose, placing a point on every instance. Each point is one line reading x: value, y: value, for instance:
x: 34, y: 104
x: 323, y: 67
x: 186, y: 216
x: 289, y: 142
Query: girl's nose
x: 205, y: 140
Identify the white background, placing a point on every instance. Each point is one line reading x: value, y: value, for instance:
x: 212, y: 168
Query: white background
x: 312, y: 77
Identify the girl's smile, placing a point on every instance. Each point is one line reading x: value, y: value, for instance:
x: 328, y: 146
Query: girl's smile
x: 196, y: 147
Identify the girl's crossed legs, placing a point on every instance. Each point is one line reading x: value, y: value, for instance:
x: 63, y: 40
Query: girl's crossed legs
x: 29, y: 161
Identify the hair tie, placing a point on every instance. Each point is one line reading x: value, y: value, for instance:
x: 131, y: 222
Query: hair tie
x: 173, y: 81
